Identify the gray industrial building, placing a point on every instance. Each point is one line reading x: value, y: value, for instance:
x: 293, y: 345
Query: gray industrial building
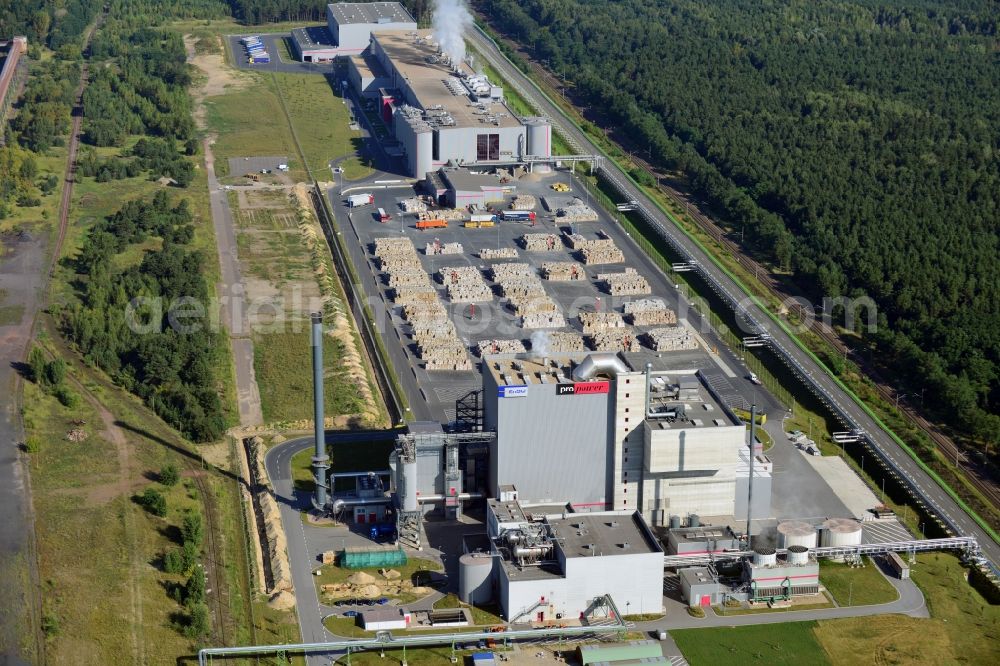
x: 441, y: 113
x: 622, y: 434
x: 351, y: 23
x: 313, y: 45
x: 457, y: 188
x: 562, y: 566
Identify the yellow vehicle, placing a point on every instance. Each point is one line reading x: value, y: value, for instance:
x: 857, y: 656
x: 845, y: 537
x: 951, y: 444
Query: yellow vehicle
x: 474, y: 224
x: 744, y: 415
x: 560, y: 187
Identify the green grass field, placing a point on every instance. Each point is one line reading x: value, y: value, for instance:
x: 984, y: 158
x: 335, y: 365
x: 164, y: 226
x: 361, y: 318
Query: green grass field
x: 284, y: 371
x: 856, y: 586
x: 415, y: 570
x: 790, y: 644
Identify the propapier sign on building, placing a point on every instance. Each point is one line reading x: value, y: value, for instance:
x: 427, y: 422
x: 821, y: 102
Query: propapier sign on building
x: 582, y: 388
x: 512, y: 391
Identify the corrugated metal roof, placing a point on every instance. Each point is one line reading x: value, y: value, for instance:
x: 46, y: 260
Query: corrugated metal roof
x: 594, y: 654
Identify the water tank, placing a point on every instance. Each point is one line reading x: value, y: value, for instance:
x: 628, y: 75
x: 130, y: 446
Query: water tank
x: 765, y: 557
x: 409, y: 490
x: 796, y: 533
x: 539, y: 137
x: 841, y: 532
x: 475, y: 578
x: 694, y: 520
x: 675, y: 522
x: 798, y: 555
x: 423, y: 157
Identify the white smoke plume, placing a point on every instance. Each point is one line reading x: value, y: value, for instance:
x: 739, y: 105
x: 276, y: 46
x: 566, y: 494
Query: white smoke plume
x: 540, y: 343
x: 451, y: 19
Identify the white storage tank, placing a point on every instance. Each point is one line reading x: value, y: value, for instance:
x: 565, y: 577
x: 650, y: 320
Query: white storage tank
x: 796, y: 533
x: 841, y: 532
x: 475, y: 578
x: 409, y: 490
x: 797, y: 555
x: 425, y: 156
x: 539, y: 137
x: 765, y: 557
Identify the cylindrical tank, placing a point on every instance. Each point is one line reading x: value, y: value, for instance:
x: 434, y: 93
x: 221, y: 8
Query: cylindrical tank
x: 424, y: 156
x: 475, y: 578
x: 539, y: 137
x: 675, y: 522
x: 409, y: 494
x: 841, y: 532
x: 796, y: 533
x: 765, y: 557
x: 694, y: 520
x: 798, y: 555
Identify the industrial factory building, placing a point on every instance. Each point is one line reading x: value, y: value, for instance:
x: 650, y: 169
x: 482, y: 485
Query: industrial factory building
x: 351, y: 23
x: 624, y: 433
x: 313, y: 45
x: 440, y: 111
x: 562, y: 566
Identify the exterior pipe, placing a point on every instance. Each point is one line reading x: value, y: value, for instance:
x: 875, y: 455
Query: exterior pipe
x: 595, y: 363
x: 439, y: 498
x: 753, y: 436
x: 320, y: 461
x: 649, y: 386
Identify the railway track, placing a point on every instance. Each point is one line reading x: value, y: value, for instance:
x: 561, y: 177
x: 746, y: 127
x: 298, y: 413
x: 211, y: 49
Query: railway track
x: 952, y: 451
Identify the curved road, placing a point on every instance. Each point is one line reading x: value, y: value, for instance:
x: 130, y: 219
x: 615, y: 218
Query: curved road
x: 757, y: 321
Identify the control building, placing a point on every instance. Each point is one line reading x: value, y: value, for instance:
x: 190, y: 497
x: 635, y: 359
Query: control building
x: 559, y: 566
x: 627, y: 432
x: 440, y: 112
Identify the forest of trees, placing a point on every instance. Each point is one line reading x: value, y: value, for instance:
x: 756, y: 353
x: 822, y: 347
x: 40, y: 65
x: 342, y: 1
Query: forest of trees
x: 170, y: 369
x: 55, y: 24
x: 856, y: 142
x: 254, y: 12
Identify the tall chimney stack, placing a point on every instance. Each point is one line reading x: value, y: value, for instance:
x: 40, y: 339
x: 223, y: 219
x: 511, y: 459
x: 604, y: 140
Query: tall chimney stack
x: 753, y: 445
x: 320, y: 461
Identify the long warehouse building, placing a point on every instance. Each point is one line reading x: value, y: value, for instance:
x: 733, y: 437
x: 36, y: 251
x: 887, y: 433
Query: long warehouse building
x: 442, y: 113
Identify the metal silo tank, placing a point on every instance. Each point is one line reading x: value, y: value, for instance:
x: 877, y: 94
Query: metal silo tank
x: 796, y: 533
x: 424, y: 158
x: 408, y: 492
x: 841, y: 532
x: 797, y: 555
x: 475, y: 578
x: 765, y: 557
x: 539, y: 137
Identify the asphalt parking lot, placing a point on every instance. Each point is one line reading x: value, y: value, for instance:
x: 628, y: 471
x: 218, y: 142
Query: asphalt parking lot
x: 278, y: 62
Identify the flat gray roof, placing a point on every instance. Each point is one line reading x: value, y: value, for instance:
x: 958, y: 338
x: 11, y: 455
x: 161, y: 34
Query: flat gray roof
x: 414, y: 54
x: 696, y: 575
x: 465, y: 180
x: 369, y: 12
x: 313, y: 39
x: 584, y: 535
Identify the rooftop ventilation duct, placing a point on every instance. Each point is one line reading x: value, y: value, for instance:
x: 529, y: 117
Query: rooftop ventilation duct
x: 596, y: 363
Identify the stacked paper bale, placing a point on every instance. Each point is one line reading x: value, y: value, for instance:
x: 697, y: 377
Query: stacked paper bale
x: 562, y: 271
x: 522, y: 289
x: 523, y: 202
x: 413, y: 205
x: 540, y: 242
x: 450, y: 214
x: 437, y: 247
x: 500, y: 253
x: 398, y: 259
x: 444, y: 354
x: 542, y: 319
x: 560, y: 342
x: 649, y: 312
x: 465, y: 284
x: 614, y: 341
x: 594, y: 322
x: 417, y: 295
x: 500, y: 347
x: 577, y: 211
x: 671, y: 338
x: 628, y: 283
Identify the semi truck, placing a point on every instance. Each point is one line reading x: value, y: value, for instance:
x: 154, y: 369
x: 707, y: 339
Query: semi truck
x: 356, y: 200
x: 432, y: 224
x: 518, y: 215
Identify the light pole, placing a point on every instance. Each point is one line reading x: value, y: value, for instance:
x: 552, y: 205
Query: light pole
x: 850, y: 594
x: 898, y: 396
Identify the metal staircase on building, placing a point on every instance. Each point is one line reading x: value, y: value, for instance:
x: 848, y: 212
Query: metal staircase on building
x: 409, y: 530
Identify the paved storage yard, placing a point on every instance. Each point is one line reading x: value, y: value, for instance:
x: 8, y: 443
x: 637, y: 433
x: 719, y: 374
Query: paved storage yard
x: 494, y: 318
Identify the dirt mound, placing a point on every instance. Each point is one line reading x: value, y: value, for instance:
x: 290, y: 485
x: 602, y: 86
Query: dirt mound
x: 361, y: 578
x: 390, y: 574
x: 370, y: 591
x: 283, y: 600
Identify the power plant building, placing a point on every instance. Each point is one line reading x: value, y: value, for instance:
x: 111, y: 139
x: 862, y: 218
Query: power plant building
x: 440, y: 112
x: 563, y: 566
x: 597, y: 431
